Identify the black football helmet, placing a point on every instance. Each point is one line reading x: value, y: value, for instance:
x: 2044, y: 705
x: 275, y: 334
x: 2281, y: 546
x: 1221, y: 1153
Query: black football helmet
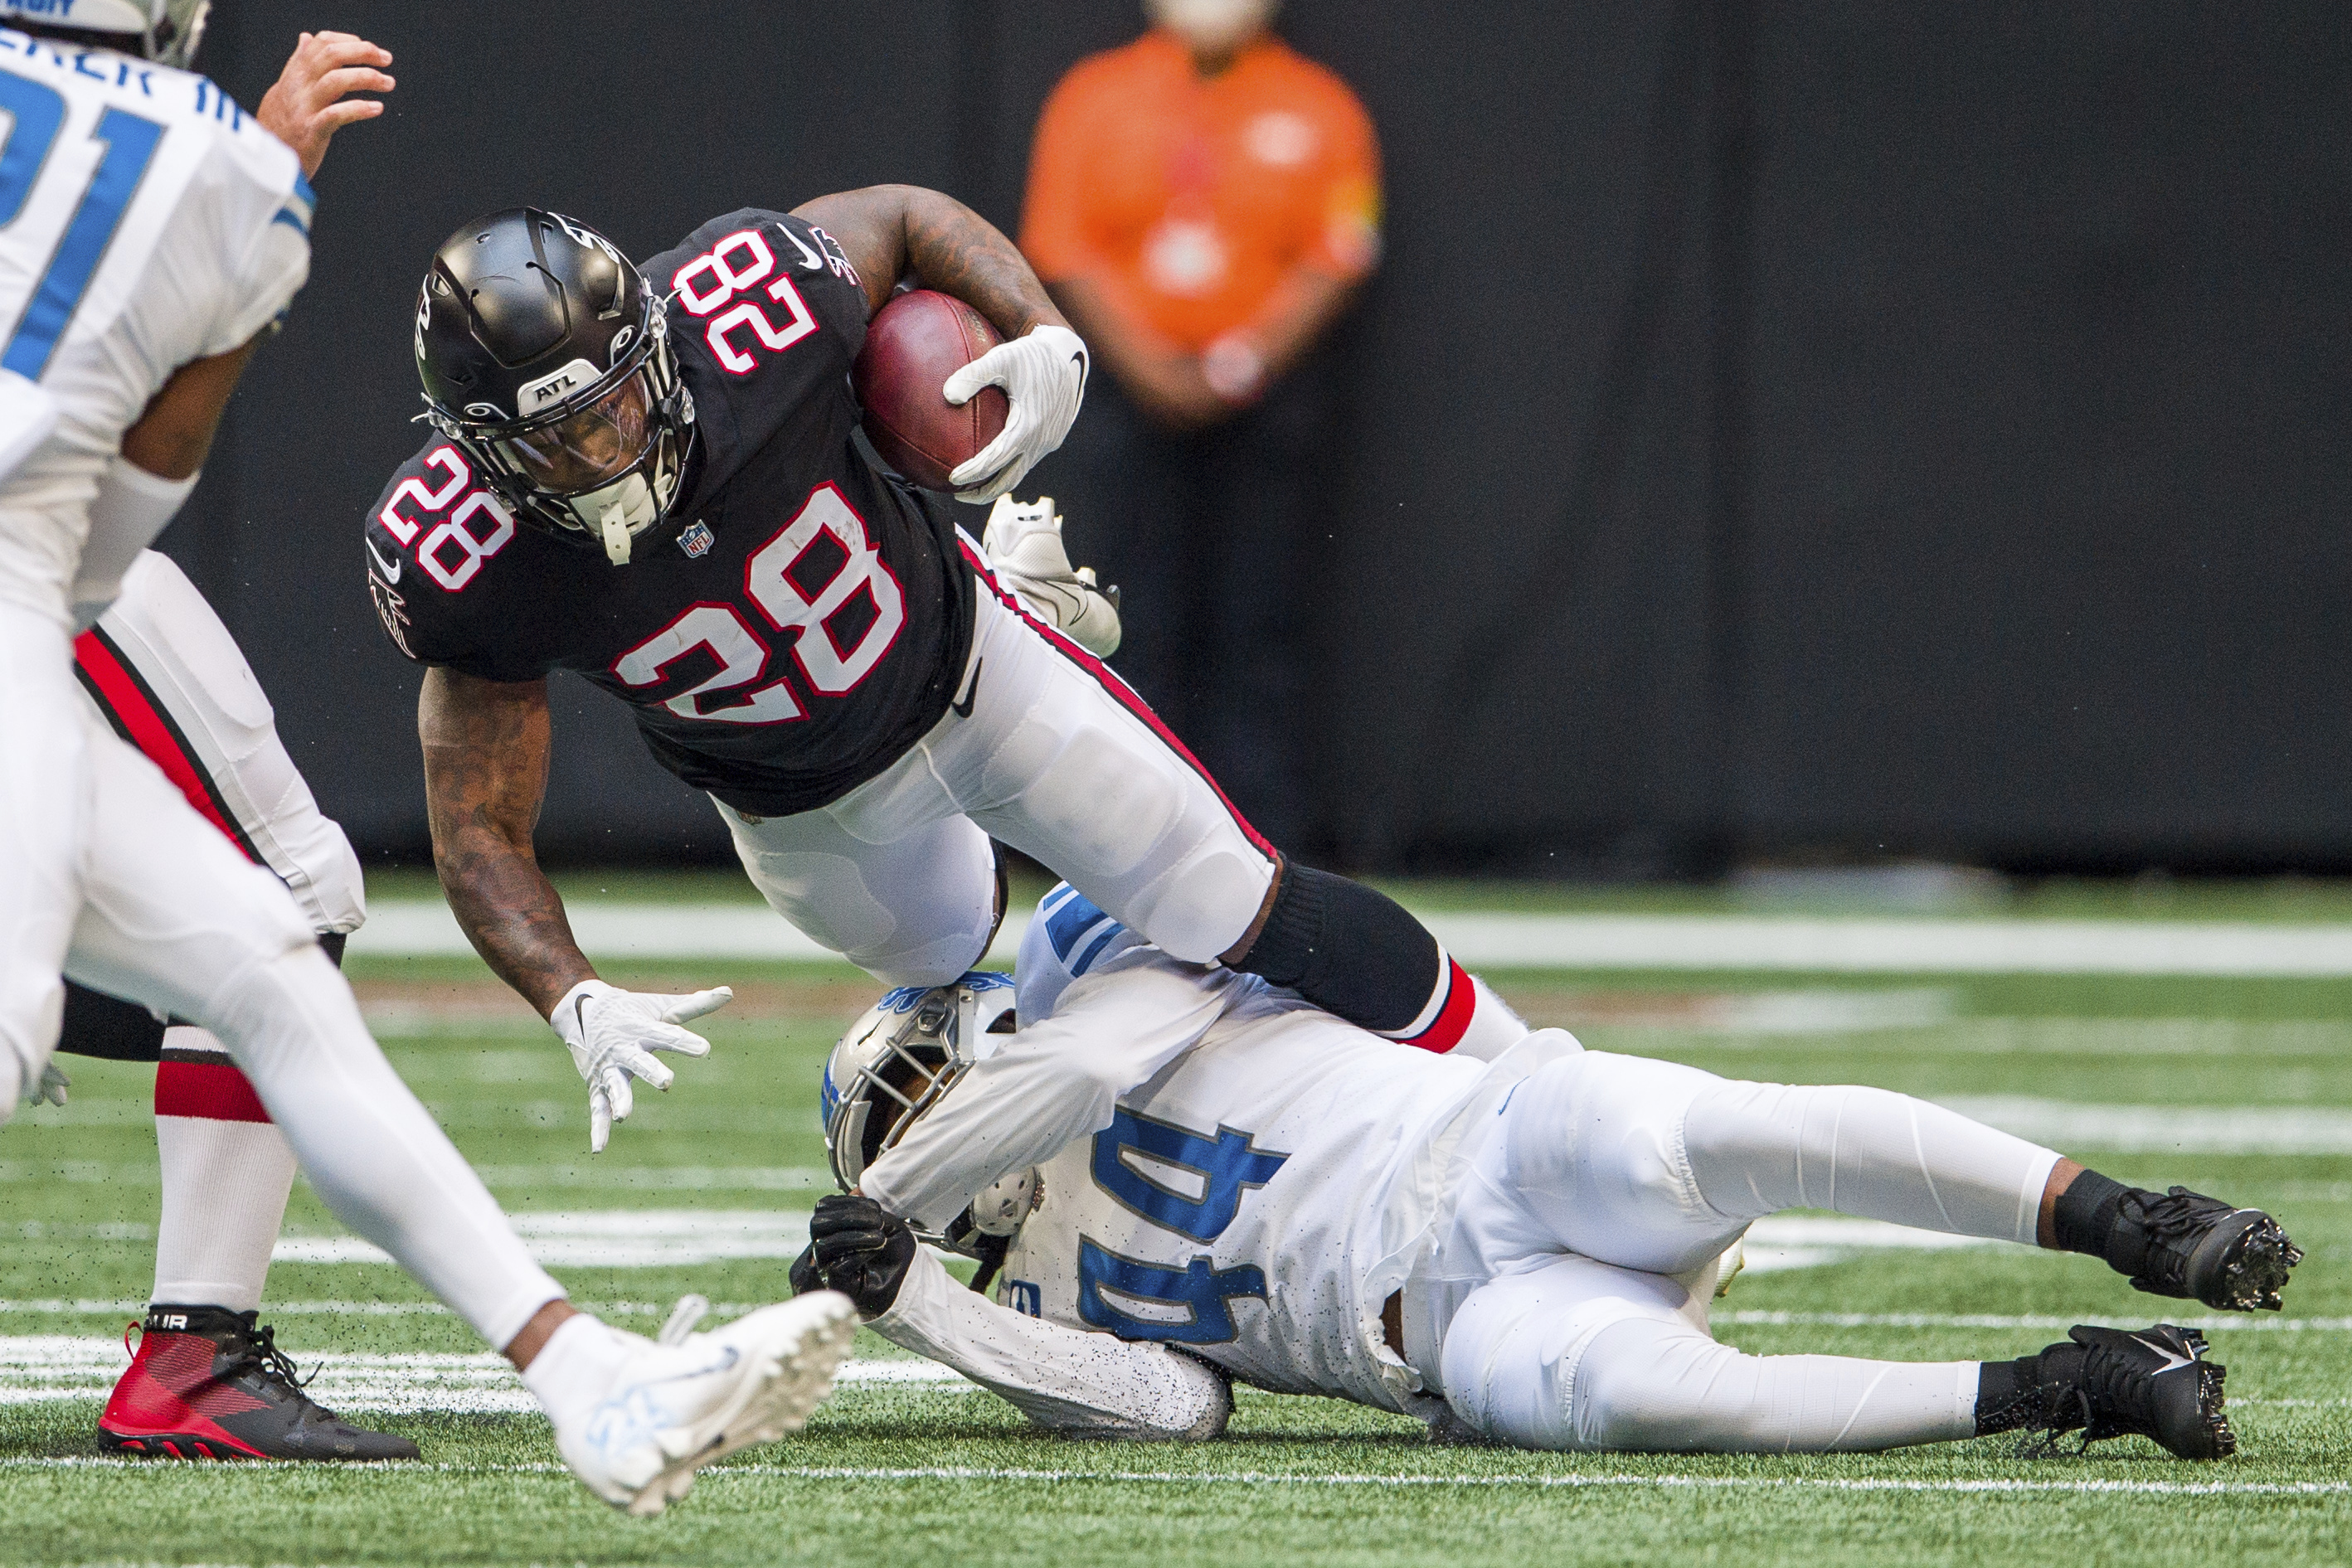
x: 545, y: 356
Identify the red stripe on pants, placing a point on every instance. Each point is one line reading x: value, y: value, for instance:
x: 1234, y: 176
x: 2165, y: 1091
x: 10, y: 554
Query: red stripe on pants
x: 149, y: 732
x: 215, y: 1092
x: 1120, y: 693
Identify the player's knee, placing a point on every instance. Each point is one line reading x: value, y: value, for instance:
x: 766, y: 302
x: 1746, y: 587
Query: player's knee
x: 1354, y: 951
x: 931, y: 946
x: 1641, y: 1386
x: 330, y: 889
x: 1198, y: 910
x: 1515, y: 1356
x: 923, y: 952
x: 283, y: 1008
x: 923, y: 971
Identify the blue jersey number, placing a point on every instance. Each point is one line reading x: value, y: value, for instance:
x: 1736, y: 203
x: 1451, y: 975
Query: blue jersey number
x: 36, y: 112
x: 1186, y: 1305
x: 1225, y: 1164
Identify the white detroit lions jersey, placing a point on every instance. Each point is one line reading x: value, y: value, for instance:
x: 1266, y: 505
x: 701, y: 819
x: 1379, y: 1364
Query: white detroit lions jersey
x: 1235, y: 1205
x: 145, y: 221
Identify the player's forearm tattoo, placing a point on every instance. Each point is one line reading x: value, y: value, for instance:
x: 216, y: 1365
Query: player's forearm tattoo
x: 485, y: 749
x: 890, y: 232
x: 953, y: 249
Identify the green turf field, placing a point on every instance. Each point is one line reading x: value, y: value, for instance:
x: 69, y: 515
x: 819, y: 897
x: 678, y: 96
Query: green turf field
x: 902, y: 1472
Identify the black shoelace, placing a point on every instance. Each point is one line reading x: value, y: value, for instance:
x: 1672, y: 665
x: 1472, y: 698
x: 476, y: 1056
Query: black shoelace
x: 2047, y: 1412
x: 2166, y: 1222
x: 2053, y: 1409
x: 259, y: 1349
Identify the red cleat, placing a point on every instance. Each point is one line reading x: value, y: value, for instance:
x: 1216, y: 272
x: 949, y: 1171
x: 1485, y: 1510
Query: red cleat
x: 207, y: 1383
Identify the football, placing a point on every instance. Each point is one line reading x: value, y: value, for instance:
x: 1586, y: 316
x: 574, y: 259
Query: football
x: 912, y: 345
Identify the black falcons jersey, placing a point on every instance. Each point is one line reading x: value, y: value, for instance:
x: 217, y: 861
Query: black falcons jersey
x: 799, y: 619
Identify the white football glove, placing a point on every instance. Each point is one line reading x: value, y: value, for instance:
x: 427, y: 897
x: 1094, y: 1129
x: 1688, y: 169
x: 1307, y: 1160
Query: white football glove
x: 51, y: 1087
x: 1023, y: 543
x: 1043, y: 374
x: 613, y: 1034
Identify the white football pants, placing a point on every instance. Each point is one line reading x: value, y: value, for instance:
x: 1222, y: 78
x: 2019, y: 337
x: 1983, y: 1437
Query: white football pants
x: 44, y: 791
x: 165, y: 673
x: 1057, y: 759
x: 1551, y: 1310
x: 222, y: 732
x: 163, y: 910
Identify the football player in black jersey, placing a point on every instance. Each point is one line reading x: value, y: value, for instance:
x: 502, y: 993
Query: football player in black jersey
x: 650, y: 478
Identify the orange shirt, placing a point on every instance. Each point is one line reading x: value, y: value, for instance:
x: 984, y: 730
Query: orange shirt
x: 1189, y: 200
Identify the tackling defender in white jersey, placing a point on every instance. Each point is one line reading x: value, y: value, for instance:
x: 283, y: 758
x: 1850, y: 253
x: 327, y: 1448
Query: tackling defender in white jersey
x: 1189, y: 1177
x: 149, y: 232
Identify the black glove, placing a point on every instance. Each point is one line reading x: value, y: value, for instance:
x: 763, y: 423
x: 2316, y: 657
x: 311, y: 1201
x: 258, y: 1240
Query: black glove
x: 858, y: 1248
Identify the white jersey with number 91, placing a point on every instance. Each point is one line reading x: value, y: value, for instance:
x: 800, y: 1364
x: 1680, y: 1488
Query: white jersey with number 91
x: 146, y: 221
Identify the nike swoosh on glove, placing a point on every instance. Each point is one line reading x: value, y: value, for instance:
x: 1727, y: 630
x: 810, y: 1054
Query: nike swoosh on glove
x: 1023, y: 544
x: 1043, y: 374
x: 613, y: 1033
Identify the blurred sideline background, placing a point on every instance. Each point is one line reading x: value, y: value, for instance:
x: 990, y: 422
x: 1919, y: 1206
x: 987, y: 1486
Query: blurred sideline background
x: 1820, y: 434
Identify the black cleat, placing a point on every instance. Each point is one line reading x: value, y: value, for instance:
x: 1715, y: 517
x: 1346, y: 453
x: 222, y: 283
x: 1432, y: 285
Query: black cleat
x: 207, y: 1383
x: 2187, y: 1245
x: 2108, y: 1383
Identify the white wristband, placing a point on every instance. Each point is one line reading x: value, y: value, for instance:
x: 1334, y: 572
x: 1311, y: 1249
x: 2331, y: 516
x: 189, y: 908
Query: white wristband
x: 132, y: 507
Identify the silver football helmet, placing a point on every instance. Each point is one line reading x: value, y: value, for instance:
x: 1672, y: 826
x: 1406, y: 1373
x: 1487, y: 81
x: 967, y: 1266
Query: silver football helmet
x: 167, y: 30
x: 895, y: 1063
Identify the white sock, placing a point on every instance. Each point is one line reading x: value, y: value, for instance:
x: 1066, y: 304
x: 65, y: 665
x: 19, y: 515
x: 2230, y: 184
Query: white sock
x: 573, y: 1369
x: 226, y: 1178
x: 1758, y: 1148
x: 1648, y: 1386
x: 370, y: 1150
x: 1493, y: 1028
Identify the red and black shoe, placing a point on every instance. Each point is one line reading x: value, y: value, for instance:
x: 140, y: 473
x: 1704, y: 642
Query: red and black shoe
x: 209, y: 1383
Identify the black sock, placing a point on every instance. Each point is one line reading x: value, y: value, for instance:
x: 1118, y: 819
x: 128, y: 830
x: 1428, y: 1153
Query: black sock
x: 2005, y: 1389
x: 2001, y: 1386
x: 1352, y: 952
x: 2085, y: 1217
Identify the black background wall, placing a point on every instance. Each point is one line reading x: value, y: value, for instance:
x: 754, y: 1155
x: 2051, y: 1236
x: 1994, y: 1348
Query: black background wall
x: 1820, y: 427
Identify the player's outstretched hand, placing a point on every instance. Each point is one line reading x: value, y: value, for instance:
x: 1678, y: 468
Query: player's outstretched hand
x: 1043, y: 374
x: 858, y: 1247
x: 613, y: 1035
x: 310, y: 100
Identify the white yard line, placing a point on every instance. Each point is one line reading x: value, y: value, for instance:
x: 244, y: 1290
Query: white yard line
x: 425, y: 929
x: 607, y: 1238
x: 1667, y: 1480
x: 43, y: 1369
x: 2166, y: 1129
x: 2254, y: 1322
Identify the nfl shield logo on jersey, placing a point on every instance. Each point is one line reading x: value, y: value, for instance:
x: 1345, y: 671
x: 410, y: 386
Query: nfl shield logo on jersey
x: 696, y: 539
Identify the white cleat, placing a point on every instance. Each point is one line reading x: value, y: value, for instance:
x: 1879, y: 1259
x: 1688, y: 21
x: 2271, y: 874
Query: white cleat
x: 694, y: 1398
x: 1023, y: 544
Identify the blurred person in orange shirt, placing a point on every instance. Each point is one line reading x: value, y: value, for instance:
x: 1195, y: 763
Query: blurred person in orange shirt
x: 1202, y: 204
